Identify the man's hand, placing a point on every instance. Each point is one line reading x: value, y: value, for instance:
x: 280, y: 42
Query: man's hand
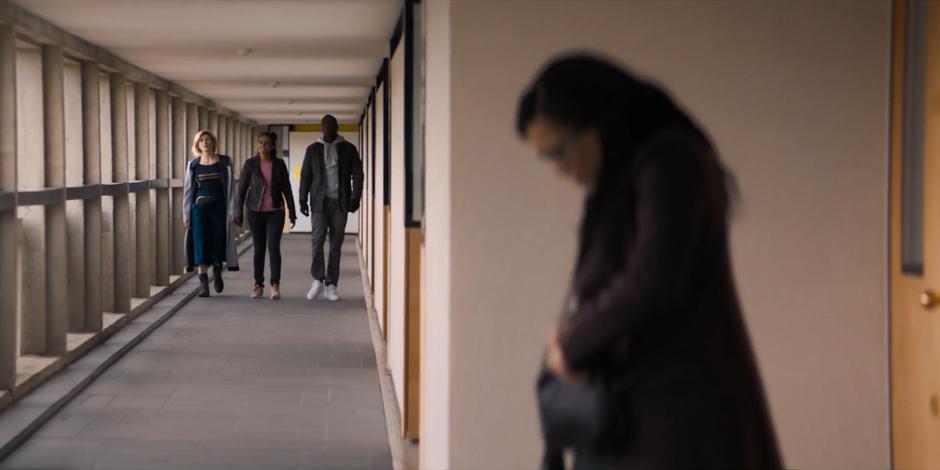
x: 354, y: 205
x: 293, y: 221
x: 304, y: 209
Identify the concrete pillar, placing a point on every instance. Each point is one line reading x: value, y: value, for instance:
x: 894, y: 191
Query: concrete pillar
x: 8, y: 225
x: 230, y: 135
x: 242, y: 144
x: 144, y: 247
x: 246, y: 148
x: 178, y: 155
x: 236, y: 143
x: 203, y: 120
x: 162, y: 226
x: 196, y: 120
x: 223, y: 147
x: 249, y: 144
x: 75, y: 210
x: 192, y: 127
x: 213, y: 124
x: 121, y: 210
x: 107, y: 202
x: 250, y: 139
x: 56, y: 262
x: 91, y: 133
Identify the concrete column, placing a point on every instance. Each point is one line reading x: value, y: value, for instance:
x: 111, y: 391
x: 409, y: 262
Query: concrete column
x: 74, y: 210
x: 223, y: 136
x: 8, y: 225
x: 177, y: 164
x: 107, y: 202
x: 246, y: 148
x: 237, y: 143
x: 213, y: 123
x: 247, y: 142
x: 230, y: 135
x: 203, y: 120
x: 162, y: 267
x: 56, y: 262
x: 192, y: 127
x: 145, y: 234
x: 250, y: 139
x: 91, y: 133
x: 242, y: 147
x: 121, y: 214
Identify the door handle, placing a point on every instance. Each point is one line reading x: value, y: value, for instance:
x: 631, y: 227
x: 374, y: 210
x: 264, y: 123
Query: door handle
x: 929, y: 299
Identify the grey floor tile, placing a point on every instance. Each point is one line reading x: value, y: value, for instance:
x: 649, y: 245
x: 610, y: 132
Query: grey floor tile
x: 234, y: 383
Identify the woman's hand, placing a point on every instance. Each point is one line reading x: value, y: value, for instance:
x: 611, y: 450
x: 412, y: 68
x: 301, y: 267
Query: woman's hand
x: 185, y: 224
x: 556, y: 360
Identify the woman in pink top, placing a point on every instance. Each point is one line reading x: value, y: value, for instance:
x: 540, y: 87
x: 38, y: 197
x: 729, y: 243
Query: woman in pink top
x: 263, y: 187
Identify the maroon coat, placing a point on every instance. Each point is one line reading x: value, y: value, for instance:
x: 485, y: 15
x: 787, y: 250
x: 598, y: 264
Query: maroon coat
x: 658, y: 314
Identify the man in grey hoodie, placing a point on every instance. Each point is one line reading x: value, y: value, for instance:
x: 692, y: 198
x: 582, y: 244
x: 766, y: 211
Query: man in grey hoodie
x: 331, y: 178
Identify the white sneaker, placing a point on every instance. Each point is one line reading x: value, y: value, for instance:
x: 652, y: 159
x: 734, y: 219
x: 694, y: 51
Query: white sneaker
x: 331, y: 294
x: 315, y: 289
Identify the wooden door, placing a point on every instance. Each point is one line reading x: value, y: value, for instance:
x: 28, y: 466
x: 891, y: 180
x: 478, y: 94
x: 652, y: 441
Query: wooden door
x: 915, y: 236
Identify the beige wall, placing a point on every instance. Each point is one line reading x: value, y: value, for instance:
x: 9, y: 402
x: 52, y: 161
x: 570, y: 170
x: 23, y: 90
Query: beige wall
x: 396, y: 301
x: 794, y: 94
x: 436, y: 268
x: 367, y: 202
x: 379, y: 212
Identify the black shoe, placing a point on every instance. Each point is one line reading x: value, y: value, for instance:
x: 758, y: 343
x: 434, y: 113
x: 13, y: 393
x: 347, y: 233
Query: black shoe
x: 203, y: 285
x: 217, y: 278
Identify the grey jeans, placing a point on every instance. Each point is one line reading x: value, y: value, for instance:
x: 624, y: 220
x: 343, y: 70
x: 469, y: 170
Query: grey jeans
x: 333, y: 220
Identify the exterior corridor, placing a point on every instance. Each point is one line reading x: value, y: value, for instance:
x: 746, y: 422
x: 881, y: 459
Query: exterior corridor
x: 231, y: 382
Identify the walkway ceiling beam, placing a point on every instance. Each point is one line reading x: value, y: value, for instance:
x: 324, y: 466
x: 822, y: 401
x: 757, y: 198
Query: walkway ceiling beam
x: 37, y: 30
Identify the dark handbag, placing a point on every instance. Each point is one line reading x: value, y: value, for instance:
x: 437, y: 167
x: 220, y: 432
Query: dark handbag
x: 571, y: 414
x: 204, y: 201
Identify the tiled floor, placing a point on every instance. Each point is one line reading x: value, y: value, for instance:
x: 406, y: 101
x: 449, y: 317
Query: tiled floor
x: 234, y: 383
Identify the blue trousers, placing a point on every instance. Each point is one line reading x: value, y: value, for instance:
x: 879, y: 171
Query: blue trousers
x: 209, y: 233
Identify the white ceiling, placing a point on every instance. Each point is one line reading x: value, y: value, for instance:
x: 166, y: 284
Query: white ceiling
x: 308, y: 57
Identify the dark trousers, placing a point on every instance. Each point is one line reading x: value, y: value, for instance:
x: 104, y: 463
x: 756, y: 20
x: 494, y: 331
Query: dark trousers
x: 333, y: 220
x: 266, y: 228
x: 209, y: 233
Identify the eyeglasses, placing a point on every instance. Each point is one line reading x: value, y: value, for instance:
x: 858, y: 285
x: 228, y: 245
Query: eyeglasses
x: 557, y: 153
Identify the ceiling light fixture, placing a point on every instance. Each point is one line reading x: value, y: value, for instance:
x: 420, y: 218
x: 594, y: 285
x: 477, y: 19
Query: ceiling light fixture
x: 243, y: 52
x: 275, y: 84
